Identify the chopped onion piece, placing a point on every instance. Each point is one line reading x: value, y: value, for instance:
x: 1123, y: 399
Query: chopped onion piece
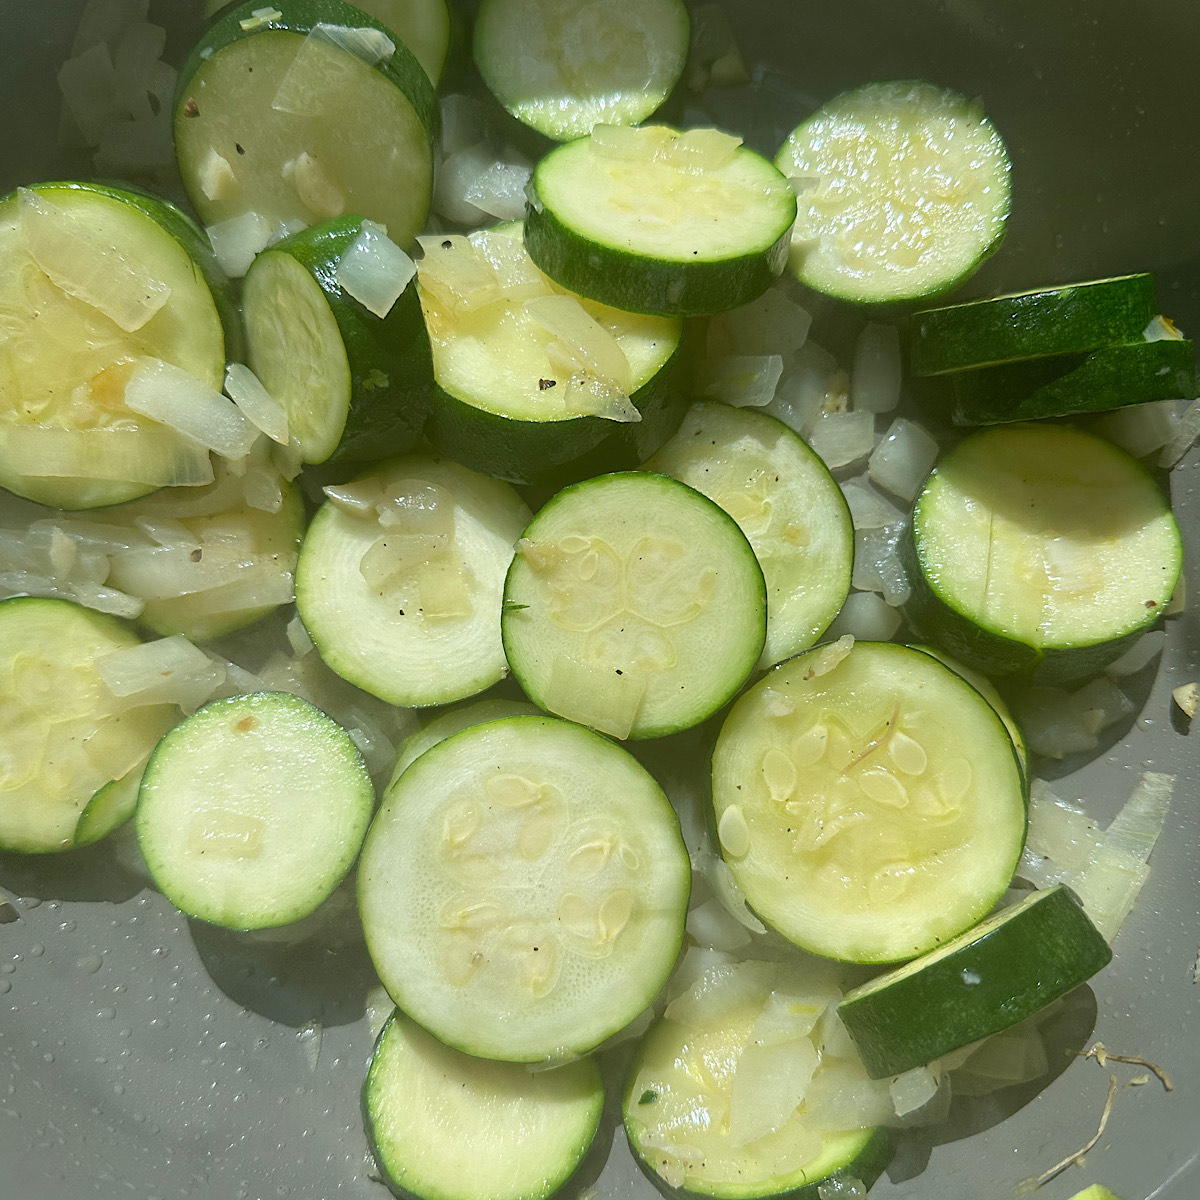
x: 721, y: 991
x: 360, y: 498
x: 774, y: 324
x: 165, y: 572
x: 285, y: 229
x: 1141, y: 428
x: 695, y: 151
x: 255, y: 403
x: 314, y: 186
x: 315, y: 73
x: 1108, y: 888
x: 912, y: 1090
x: 456, y: 175
x: 592, y: 347
x: 260, y: 18
x: 769, y: 1083
x: 1057, y: 723
x: 215, y: 176
x: 262, y: 488
x: 90, y: 535
x: 167, y: 531
x: 695, y: 963
x: 842, y: 1097
x: 1184, y: 436
x: 238, y: 241
x: 265, y: 584
x: 106, y: 600
x: 1139, y: 656
x: 866, y: 617
x: 877, y: 565
x: 168, y: 671
x: 1136, y: 828
x: 298, y: 638
x: 588, y: 395
x: 1065, y: 835
x: 622, y: 142
x: 842, y: 438
x: 1017, y: 1055
x: 711, y: 925
x: 499, y: 190
x: 414, y: 506
x: 875, y: 377
x: 180, y: 401
x: 374, y: 270
x: 744, y: 381
x: 714, y: 57
x: 89, y: 86
x: 1187, y: 697
x: 903, y: 459
x: 1162, y: 329
x: 153, y: 457
x: 86, y: 267
x: 457, y: 273
x: 805, y: 388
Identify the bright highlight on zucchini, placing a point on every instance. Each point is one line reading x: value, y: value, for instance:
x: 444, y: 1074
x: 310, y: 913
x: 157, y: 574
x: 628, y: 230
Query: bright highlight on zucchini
x: 446, y: 1126
x: 993, y: 976
x: 656, y: 220
x: 1041, y: 548
x: 634, y: 605
x: 523, y: 890
x: 868, y: 802
x: 903, y: 191
x: 562, y: 67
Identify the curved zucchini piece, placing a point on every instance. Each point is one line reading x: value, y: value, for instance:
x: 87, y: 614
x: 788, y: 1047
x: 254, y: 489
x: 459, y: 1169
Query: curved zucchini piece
x: 355, y: 385
x: 523, y: 890
x: 94, y: 277
x: 1040, y: 548
x: 634, y: 605
x: 721, y: 1099
x: 995, y: 975
x: 562, y: 68
x: 252, y: 810
x: 64, y: 738
x: 400, y: 586
x: 1072, y: 319
x: 868, y: 801
x: 904, y: 191
x: 536, y: 385
x: 109, y: 808
x: 445, y: 1126
x: 786, y: 503
x: 1070, y: 385
x: 274, y: 115
x: 655, y: 220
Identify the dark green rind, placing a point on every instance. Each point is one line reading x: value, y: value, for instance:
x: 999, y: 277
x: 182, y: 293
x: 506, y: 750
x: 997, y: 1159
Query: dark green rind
x: 867, y: 1165
x: 1033, y: 958
x: 556, y: 453
x: 299, y: 16
x: 383, y: 421
x: 1066, y: 386
x: 637, y: 284
x: 552, y: 1185
x: 1072, y: 319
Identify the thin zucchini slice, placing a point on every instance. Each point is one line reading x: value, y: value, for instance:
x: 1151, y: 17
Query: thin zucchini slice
x: 446, y: 1126
x: 355, y: 385
x: 1068, y: 385
x: 275, y: 116
x: 1040, y: 548
x: 634, y: 605
x: 562, y: 68
x: 252, y: 810
x: 868, y: 802
x: 64, y: 738
x: 1002, y: 971
x: 400, y: 586
x: 109, y: 808
x: 715, y: 1101
x: 92, y: 278
x: 523, y: 890
x: 455, y: 720
x: 1035, y: 324
x: 786, y: 503
x: 655, y: 220
x: 534, y: 383
x: 904, y: 191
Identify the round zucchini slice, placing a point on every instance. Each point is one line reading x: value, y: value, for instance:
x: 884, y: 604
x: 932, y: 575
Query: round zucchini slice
x: 1040, y: 548
x: 446, y: 1126
x: 523, y: 890
x: 995, y: 975
x: 868, y: 802
x: 64, y: 738
x: 305, y: 110
x: 654, y: 220
x: 93, y: 278
x: 634, y: 605
x: 904, y: 191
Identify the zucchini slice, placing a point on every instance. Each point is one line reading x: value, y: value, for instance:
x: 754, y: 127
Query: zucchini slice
x: 64, y: 738
x: 91, y: 278
x: 534, y: 383
x: 715, y: 1101
x: 786, y: 503
x: 655, y: 220
x: 634, y: 605
x: 109, y: 808
x: 523, y: 890
x: 355, y: 385
x: 1068, y: 385
x: 562, y: 67
x: 1072, y: 319
x: 400, y: 580
x: 252, y: 810
x: 904, y: 191
x: 868, y: 802
x: 1040, y: 548
x: 446, y: 1126
x: 1002, y: 971
x: 275, y: 115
